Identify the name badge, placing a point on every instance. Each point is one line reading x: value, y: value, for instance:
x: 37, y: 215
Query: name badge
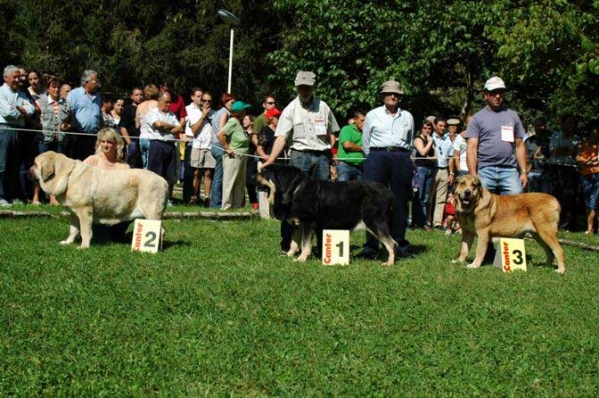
x: 507, y: 133
x: 320, y: 126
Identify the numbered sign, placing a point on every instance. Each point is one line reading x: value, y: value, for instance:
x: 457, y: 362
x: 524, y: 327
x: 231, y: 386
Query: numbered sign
x: 510, y: 255
x: 335, y: 247
x: 147, y: 236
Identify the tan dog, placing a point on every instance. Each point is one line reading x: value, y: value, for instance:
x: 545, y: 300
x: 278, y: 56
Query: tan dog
x: 94, y: 195
x: 487, y: 215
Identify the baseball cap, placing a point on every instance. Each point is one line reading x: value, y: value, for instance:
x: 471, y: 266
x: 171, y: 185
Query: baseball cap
x: 238, y: 106
x: 494, y: 83
x: 272, y: 113
x: 305, y: 78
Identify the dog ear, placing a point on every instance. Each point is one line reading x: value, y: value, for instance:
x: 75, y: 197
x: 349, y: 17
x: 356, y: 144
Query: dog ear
x: 47, y: 167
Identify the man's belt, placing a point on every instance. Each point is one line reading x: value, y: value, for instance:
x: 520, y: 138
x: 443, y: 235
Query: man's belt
x: 390, y: 149
x: 312, y: 151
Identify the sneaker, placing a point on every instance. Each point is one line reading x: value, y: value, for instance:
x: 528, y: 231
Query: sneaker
x: 588, y: 232
x: 17, y: 202
x: 206, y: 202
x: 169, y: 204
x: 4, y: 203
x: 448, y: 232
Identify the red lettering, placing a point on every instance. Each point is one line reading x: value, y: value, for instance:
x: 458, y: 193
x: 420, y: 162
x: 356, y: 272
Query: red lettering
x: 506, y: 255
x: 138, y: 235
x: 327, y: 248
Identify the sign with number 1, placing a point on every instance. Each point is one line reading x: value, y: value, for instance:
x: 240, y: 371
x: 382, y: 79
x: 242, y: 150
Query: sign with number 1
x: 147, y: 236
x: 335, y: 247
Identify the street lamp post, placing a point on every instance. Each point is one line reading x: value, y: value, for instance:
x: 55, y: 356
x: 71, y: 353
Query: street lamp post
x: 233, y: 21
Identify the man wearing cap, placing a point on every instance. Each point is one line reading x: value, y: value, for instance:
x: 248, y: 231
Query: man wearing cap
x: 311, y: 127
x: 387, y: 140
x: 496, y: 152
x: 350, y: 156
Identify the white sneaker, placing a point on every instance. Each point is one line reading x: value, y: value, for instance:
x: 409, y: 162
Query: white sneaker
x: 4, y: 203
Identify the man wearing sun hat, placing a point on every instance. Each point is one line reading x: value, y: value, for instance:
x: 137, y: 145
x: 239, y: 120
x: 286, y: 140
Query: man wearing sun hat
x: 496, y: 151
x: 387, y: 140
x: 310, y: 125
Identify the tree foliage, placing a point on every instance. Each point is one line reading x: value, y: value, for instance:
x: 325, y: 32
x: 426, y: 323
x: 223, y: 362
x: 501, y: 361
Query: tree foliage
x: 441, y: 51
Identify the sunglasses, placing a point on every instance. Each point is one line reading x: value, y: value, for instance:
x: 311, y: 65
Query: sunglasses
x: 271, y: 103
x: 205, y: 100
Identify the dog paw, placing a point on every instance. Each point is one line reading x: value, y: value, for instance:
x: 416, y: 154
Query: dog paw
x: 387, y: 264
x: 561, y: 271
x: 83, y: 247
x: 472, y: 266
x: 64, y: 242
x: 457, y: 261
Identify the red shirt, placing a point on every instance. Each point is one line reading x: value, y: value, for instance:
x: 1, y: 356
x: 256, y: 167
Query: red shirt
x: 177, y: 106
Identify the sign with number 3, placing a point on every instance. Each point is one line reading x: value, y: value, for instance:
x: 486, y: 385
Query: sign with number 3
x: 510, y: 255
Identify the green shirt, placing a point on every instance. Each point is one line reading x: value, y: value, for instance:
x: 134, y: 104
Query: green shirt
x: 237, y: 139
x: 350, y: 133
x: 259, y: 123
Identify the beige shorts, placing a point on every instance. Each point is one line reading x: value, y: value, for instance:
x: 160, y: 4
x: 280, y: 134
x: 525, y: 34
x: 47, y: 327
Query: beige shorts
x: 202, y: 159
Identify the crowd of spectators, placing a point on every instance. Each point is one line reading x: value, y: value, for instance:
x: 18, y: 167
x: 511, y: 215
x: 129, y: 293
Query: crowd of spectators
x: 218, y: 144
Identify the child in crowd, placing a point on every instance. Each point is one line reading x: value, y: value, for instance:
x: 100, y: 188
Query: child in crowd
x: 450, y: 221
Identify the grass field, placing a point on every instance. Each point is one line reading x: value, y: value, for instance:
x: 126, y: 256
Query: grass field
x: 220, y: 313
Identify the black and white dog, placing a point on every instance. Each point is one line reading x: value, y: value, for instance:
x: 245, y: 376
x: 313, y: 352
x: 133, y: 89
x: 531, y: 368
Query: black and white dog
x: 313, y: 205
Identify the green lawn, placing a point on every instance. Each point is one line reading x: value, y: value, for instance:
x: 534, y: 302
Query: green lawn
x: 220, y: 313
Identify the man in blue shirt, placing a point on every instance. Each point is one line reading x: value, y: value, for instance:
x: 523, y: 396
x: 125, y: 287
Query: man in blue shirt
x: 444, y: 175
x: 387, y: 140
x: 87, y: 115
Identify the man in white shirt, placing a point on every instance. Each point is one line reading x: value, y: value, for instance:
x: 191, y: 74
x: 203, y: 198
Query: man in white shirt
x: 165, y: 128
x: 14, y: 109
x: 198, y: 128
x: 387, y: 140
x: 311, y: 126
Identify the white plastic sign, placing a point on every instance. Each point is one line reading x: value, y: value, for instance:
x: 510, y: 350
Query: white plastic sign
x: 147, y: 236
x: 335, y: 247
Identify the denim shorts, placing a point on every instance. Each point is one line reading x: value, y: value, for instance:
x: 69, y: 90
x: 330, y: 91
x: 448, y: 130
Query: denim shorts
x: 590, y: 189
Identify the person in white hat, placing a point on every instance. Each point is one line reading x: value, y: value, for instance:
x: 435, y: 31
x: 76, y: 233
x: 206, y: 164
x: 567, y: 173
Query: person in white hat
x: 387, y: 141
x: 496, y: 152
x: 312, y: 126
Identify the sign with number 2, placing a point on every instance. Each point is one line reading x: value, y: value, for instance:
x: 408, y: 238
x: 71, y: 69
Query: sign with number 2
x: 147, y: 236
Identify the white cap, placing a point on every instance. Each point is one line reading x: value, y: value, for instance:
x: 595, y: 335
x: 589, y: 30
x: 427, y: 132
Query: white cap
x: 494, y: 83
